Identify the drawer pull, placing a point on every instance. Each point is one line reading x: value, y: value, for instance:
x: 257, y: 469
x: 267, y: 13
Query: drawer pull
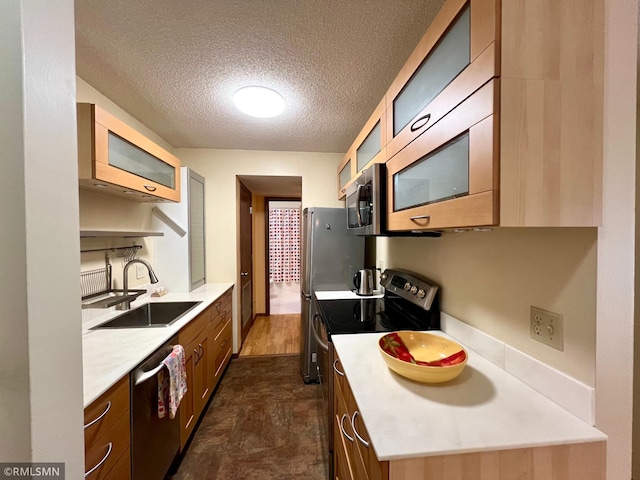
x: 200, y: 348
x: 195, y: 352
x: 104, y: 459
x: 342, y: 428
x: 353, y: 426
x: 151, y: 188
x: 217, y: 305
x: 419, y: 217
x: 224, y: 314
x: 335, y: 368
x: 420, y: 122
x: 100, y: 417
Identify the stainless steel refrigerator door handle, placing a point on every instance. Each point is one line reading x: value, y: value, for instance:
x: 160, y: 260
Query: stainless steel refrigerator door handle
x: 358, y: 195
x: 322, y: 344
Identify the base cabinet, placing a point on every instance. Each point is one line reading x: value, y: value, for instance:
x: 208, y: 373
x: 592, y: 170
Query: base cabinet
x: 107, y: 435
x: 207, y: 341
x: 355, y: 457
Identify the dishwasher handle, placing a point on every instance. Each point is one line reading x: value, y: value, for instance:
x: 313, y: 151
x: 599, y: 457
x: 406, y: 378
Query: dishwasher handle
x: 141, y: 377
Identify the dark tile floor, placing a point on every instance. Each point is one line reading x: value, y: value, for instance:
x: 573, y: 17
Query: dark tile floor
x: 263, y: 423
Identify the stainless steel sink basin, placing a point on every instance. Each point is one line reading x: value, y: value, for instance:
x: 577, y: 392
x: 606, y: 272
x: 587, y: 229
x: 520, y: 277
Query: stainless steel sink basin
x: 160, y: 314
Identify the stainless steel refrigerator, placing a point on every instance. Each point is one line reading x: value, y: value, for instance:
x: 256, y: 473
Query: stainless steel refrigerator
x: 330, y: 259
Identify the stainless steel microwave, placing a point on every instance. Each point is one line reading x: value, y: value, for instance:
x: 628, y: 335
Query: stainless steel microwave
x: 366, y: 202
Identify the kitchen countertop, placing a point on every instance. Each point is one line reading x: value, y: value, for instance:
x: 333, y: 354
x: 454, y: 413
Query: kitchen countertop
x: 484, y: 409
x: 110, y: 354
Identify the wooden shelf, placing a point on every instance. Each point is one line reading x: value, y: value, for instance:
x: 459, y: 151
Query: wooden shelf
x: 118, y: 234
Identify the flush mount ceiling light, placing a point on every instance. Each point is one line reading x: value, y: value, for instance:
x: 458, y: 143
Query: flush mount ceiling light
x: 259, y: 102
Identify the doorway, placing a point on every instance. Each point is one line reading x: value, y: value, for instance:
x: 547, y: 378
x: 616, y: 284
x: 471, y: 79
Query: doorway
x: 283, y: 255
x: 269, y: 334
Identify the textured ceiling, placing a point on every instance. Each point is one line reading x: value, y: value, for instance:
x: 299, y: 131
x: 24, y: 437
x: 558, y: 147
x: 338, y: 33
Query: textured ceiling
x: 174, y: 65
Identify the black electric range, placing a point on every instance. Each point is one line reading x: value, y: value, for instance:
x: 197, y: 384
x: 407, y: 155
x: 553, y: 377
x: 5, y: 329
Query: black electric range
x: 409, y: 303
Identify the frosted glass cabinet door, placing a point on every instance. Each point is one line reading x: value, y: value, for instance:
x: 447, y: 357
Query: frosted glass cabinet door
x: 448, y: 177
x: 121, y: 161
x: 345, y: 174
x: 438, y: 176
x: 370, y: 147
x: 442, y: 65
x: 128, y: 157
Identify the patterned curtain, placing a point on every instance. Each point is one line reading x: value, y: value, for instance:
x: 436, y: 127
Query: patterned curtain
x: 284, y: 245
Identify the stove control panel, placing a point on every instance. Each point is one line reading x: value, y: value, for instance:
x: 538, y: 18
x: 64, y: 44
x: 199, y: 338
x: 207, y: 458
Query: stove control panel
x: 406, y: 285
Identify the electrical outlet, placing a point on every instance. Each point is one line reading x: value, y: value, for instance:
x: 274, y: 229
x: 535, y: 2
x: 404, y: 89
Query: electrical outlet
x: 547, y: 327
x: 140, y: 271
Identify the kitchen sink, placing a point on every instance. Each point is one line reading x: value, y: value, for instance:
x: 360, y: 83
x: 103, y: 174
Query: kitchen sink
x: 160, y: 314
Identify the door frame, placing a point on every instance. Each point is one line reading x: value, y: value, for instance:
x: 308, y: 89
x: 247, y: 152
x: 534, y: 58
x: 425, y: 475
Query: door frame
x: 266, y: 244
x: 240, y: 331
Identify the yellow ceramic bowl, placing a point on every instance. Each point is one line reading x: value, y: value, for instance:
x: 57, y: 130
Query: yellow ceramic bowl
x: 423, y: 348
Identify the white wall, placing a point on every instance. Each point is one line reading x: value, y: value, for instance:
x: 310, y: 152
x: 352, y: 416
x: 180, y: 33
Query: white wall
x: 616, y: 238
x: 220, y: 168
x: 490, y: 280
x: 41, y: 412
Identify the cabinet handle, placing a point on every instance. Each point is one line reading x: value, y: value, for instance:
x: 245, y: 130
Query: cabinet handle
x: 420, y: 217
x: 223, y: 314
x: 343, y: 190
x: 353, y: 427
x: 195, y: 352
x: 151, y: 188
x: 200, y: 347
x: 100, y: 417
x: 342, y: 428
x: 335, y: 368
x: 104, y: 459
x: 218, y: 305
x: 420, y: 122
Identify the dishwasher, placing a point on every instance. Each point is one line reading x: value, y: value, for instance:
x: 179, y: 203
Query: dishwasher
x: 154, y: 441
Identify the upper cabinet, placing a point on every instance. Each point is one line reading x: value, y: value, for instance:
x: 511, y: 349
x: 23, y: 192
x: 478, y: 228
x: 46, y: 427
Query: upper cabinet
x: 455, y: 57
x: 369, y: 147
x: 496, y: 119
x: 115, y: 157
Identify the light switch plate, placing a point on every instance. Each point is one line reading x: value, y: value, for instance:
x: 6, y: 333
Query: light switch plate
x: 547, y: 327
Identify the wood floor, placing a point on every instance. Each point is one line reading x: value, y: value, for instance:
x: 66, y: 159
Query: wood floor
x: 273, y: 335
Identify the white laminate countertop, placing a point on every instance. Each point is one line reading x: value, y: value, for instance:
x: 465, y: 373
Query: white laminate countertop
x: 484, y: 409
x: 110, y: 354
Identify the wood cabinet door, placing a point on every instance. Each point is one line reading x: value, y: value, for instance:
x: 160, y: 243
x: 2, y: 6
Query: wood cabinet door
x: 188, y: 416
x: 201, y: 379
x: 449, y: 176
x: 114, y: 155
x: 457, y: 55
x: 346, y: 171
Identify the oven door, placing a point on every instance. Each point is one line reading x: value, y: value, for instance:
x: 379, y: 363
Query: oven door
x: 325, y: 379
x: 365, y: 202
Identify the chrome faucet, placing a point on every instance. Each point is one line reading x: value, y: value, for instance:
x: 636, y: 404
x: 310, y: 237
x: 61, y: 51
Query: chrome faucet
x: 126, y: 304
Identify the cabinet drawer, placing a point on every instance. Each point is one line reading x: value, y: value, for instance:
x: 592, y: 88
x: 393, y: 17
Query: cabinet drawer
x: 122, y: 468
x: 222, y: 348
x: 456, y: 56
x: 191, y: 330
x: 105, y: 452
x: 102, y: 414
x: 342, y: 468
x: 448, y: 177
